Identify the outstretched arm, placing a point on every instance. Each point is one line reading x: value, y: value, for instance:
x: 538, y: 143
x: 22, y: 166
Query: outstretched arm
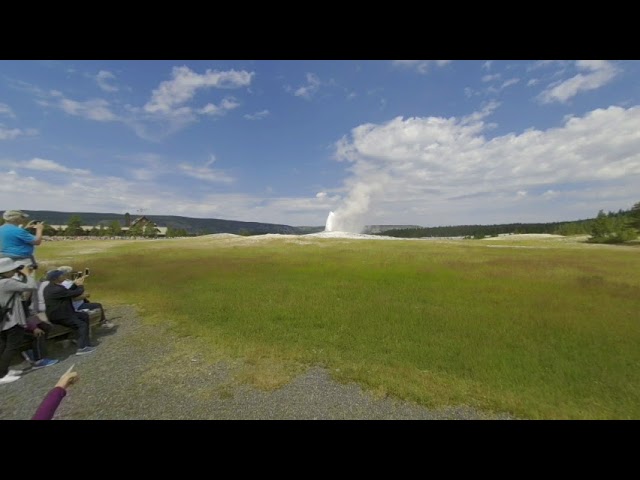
x: 50, y: 404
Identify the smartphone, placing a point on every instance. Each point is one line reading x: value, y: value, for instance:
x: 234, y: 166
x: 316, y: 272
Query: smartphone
x: 86, y: 272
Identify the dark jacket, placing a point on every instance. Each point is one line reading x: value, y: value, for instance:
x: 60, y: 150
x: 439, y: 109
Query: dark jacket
x: 57, y: 300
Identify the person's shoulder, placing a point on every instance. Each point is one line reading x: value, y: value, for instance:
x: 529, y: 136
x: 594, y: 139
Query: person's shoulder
x: 20, y: 232
x: 12, y: 283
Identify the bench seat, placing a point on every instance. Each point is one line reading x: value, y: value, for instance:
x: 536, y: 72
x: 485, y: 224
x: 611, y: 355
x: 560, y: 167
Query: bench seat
x: 59, y: 331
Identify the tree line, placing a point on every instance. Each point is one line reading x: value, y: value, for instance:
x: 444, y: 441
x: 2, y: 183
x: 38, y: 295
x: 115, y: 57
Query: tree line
x: 73, y: 228
x: 612, y: 227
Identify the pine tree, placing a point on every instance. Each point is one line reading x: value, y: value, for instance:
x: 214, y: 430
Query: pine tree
x: 74, y: 226
x: 150, y: 230
x: 635, y: 216
x: 114, y: 228
x: 136, y: 230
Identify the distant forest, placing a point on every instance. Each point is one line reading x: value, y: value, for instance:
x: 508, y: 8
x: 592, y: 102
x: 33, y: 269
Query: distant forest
x: 611, y: 227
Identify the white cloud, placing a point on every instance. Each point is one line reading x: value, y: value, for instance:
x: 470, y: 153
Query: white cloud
x: 6, y: 110
x: 487, y: 65
x: 145, y: 166
x: 102, y: 78
x: 12, y: 133
x: 490, y: 78
x: 98, y: 193
x: 258, y: 115
x: 205, y: 172
x: 597, y: 74
x: 96, y: 109
x: 9, y: 134
x: 533, y: 82
x: 421, y: 166
x: 109, y: 193
x: 546, y: 63
x: 185, y: 83
x: 307, y: 91
x: 228, y: 103
x: 421, y: 66
x: 43, y: 165
x: 153, y: 166
x: 508, y: 83
x: 143, y: 174
x: 470, y: 92
x: 493, y: 89
x: 164, y: 114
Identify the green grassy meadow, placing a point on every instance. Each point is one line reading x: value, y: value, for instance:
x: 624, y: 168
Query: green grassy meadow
x: 538, y: 328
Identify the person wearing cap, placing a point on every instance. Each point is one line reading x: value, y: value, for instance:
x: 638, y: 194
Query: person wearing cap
x: 82, y: 303
x: 15, y: 241
x: 13, y: 323
x: 59, y: 308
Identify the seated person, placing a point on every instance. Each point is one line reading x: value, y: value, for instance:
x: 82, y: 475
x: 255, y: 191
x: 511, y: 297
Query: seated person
x: 36, y: 356
x: 59, y: 308
x: 81, y: 302
x: 36, y: 327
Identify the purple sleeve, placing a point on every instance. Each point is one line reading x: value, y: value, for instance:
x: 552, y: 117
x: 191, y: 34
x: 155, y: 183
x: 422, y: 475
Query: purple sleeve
x: 50, y: 403
x: 32, y: 323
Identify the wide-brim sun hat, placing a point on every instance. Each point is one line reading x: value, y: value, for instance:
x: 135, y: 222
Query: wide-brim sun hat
x: 7, y: 264
x: 14, y: 214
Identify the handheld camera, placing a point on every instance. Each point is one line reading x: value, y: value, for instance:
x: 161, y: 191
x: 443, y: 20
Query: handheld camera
x: 75, y: 275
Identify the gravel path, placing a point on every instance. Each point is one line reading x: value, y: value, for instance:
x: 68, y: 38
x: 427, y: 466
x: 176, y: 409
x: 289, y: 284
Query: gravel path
x: 137, y: 374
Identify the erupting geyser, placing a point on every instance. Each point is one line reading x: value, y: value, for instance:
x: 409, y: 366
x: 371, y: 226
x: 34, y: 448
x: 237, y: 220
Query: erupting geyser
x: 329, y: 226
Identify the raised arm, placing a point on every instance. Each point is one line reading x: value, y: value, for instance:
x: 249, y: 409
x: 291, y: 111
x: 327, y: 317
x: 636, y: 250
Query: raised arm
x: 29, y: 285
x: 62, y: 292
x: 37, y: 238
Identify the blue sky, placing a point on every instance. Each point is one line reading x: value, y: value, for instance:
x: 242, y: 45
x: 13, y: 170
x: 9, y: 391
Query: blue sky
x: 377, y: 142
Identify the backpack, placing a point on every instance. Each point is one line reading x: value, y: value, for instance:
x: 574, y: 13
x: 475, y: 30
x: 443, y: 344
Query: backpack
x: 7, y: 309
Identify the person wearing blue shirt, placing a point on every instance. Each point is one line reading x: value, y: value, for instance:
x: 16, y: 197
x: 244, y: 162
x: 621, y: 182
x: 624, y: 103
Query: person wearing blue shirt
x: 15, y: 241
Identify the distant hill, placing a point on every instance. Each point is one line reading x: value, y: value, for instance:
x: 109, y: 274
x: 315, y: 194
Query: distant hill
x: 194, y: 226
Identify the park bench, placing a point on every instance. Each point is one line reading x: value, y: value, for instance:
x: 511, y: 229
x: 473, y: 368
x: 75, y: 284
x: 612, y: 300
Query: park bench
x: 60, y: 332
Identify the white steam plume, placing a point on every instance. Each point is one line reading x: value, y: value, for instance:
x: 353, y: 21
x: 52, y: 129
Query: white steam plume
x: 350, y: 216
